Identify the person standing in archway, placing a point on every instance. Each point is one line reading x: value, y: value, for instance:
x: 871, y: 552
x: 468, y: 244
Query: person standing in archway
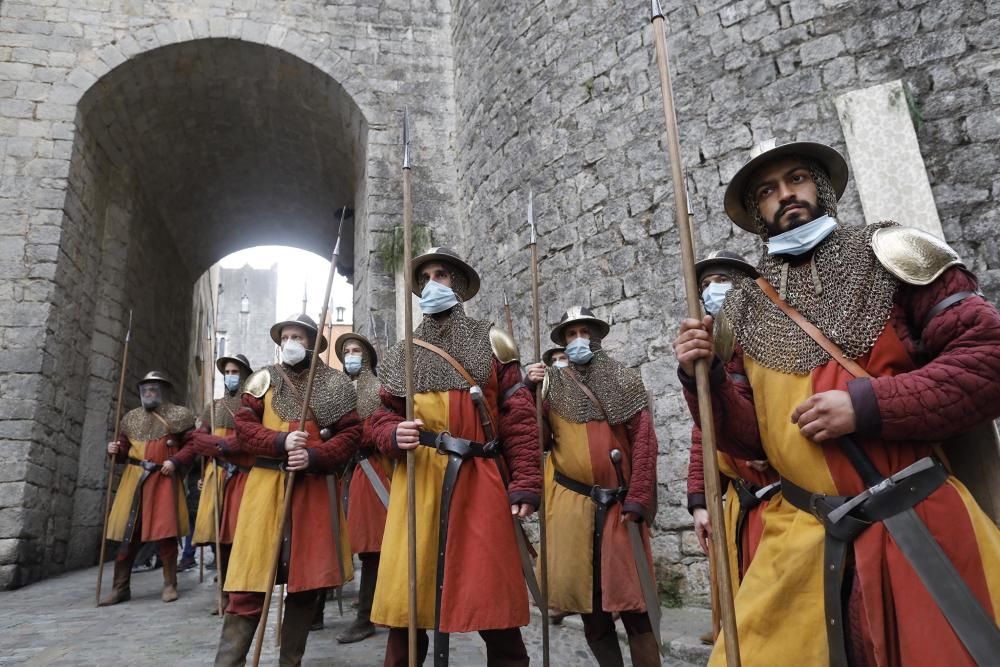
x: 368, y: 501
x: 474, y: 425
x: 149, y: 504
x: 314, y: 555
x: 231, y: 469
x: 594, y: 406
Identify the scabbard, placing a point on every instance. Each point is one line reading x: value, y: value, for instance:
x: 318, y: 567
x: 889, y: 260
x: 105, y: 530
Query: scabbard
x: 646, y: 583
x: 334, y: 499
x: 148, y: 468
x: 527, y: 566
x: 375, y: 481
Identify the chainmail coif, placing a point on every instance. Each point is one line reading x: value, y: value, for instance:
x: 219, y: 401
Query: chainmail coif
x: 224, y: 408
x: 464, y: 338
x: 850, y: 304
x: 367, y: 387
x: 618, y: 388
x: 332, y: 397
x: 141, y: 425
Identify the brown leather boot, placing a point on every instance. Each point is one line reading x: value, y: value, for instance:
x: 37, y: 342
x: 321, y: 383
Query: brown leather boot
x: 362, y: 627
x: 237, y: 634
x: 120, y: 588
x: 645, y: 652
x: 607, y: 651
x: 169, y: 580
x: 299, y: 610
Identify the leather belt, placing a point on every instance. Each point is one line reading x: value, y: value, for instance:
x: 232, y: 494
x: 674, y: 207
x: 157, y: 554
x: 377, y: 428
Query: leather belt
x: 845, y: 518
x: 269, y: 464
x: 148, y: 468
x: 603, y: 499
x: 750, y: 496
x: 446, y: 443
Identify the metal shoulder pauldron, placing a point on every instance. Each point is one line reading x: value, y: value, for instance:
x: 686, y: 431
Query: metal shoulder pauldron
x: 911, y: 255
x: 503, y: 346
x: 258, y: 383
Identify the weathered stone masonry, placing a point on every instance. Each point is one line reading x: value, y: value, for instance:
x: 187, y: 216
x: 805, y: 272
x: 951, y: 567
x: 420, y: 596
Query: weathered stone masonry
x: 142, y: 141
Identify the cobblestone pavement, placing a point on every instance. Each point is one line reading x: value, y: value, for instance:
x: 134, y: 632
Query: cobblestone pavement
x: 54, y: 622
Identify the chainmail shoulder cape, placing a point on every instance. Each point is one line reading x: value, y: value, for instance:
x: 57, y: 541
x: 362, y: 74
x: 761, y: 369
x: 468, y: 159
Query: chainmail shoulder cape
x: 332, y: 397
x: 464, y: 338
x: 367, y: 387
x: 141, y: 425
x: 850, y: 303
x: 224, y: 408
x: 618, y: 388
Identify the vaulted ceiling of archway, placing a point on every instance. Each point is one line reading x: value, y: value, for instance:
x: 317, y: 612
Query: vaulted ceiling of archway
x: 235, y: 144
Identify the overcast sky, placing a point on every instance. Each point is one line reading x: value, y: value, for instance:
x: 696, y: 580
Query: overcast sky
x: 297, y: 270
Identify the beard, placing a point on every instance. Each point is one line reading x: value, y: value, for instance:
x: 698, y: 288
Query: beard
x: 806, y: 213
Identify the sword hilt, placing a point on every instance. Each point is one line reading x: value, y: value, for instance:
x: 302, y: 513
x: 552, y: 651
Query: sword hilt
x: 616, y: 461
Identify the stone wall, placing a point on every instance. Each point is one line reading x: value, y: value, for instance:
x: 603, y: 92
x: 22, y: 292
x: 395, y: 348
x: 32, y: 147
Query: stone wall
x: 563, y: 97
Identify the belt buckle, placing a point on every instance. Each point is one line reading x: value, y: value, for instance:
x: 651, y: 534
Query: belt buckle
x: 814, y: 507
x: 439, y: 443
x: 595, y: 494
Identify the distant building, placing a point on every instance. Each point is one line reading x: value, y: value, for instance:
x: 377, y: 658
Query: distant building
x: 247, y: 309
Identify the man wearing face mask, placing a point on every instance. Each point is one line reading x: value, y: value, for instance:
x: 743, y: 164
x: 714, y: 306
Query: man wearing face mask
x: 149, y: 504
x: 908, y: 568
x: 555, y: 357
x: 477, y: 464
x: 314, y: 556
x: 594, y: 406
x: 231, y: 469
x: 369, y: 488
x: 748, y: 485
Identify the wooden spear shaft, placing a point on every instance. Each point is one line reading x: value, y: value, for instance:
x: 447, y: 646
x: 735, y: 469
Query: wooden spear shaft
x: 537, y: 341
x: 411, y: 457
x: 217, y: 483
x: 712, y: 490
x: 290, y: 479
x: 111, y: 458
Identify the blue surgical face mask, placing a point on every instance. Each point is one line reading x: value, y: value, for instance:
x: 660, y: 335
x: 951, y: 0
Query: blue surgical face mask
x: 562, y: 363
x: 802, y: 239
x: 232, y: 382
x: 352, y: 364
x: 714, y: 295
x: 579, y: 351
x: 437, y: 298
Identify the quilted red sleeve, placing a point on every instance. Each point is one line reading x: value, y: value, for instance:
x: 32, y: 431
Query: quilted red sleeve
x: 205, y: 444
x: 696, y: 472
x: 383, y: 424
x: 185, y: 453
x: 960, y: 384
x: 642, y: 481
x: 335, y: 452
x: 254, y: 438
x: 736, y: 427
x: 519, y: 435
x: 123, y: 447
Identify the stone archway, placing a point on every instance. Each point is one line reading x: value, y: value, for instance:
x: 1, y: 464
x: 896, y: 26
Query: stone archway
x: 181, y: 154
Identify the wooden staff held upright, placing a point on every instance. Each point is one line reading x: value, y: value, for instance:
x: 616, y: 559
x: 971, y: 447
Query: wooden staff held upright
x: 303, y: 416
x: 111, y: 458
x: 712, y: 490
x: 536, y: 341
x: 411, y: 457
x: 217, y: 487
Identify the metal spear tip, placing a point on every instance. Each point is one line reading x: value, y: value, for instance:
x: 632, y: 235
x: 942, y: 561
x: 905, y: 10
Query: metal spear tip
x: 655, y: 11
x: 616, y: 456
x: 531, y: 216
x: 406, y: 137
x: 505, y: 301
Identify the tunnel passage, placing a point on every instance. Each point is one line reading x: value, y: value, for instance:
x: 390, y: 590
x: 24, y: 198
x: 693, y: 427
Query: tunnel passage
x: 181, y: 155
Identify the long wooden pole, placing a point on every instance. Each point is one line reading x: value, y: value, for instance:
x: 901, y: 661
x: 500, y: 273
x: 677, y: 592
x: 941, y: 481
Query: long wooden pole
x: 217, y: 490
x: 290, y: 478
x: 411, y: 457
x: 111, y: 458
x: 537, y: 342
x: 712, y: 490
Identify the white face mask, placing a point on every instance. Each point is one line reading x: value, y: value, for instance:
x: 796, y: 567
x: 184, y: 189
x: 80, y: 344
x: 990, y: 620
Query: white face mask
x: 437, y: 298
x: 714, y: 295
x: 352, y: 364
x: 562, y: 363
x: 292, y: 352
x: 802, y: 239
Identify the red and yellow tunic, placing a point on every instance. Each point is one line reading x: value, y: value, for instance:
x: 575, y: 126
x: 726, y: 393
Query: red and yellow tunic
x: 581, y: 451
x: 903, y: 414
x: 314, y: 561
x: 163, y: 508
x: 483, y: 586
x: 366, y: 516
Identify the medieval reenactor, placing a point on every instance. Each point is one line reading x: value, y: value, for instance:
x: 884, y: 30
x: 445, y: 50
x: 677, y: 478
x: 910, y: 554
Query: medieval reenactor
x: 748, y: 485
x: 864, y: 348
x: 594, y: 407
x: 368, y: 497
x: 477, y: 463
x: 150, y: 505
x: 226, y: 466
x: 314, y: 550
x: 555, y: 356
